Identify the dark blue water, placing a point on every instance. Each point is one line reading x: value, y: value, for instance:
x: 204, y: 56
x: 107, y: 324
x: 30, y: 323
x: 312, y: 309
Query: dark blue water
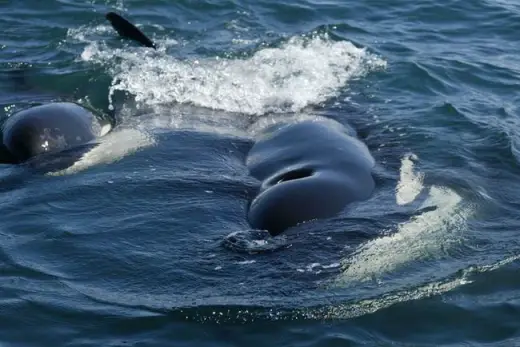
x: 125, y: 248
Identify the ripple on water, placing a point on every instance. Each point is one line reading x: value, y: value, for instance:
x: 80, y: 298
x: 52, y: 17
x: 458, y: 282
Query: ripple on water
x: 126, y: 246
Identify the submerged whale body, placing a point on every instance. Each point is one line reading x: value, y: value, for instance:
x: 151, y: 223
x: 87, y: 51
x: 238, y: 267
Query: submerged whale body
x: 309, y: 170
x: 46, y: 130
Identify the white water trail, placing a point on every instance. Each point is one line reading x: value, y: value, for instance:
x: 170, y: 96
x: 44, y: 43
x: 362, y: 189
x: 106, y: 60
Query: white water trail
x: 301, y: 72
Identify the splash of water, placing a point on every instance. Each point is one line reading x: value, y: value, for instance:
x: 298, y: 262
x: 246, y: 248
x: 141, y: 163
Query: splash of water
x: 300, y: 72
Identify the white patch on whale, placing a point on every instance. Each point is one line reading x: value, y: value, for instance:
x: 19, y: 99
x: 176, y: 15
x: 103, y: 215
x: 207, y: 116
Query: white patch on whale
x: 425, y: 236
x: 112, y: 147
x: 410, y: 182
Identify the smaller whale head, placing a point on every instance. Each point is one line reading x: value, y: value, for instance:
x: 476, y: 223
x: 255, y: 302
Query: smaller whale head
x: 47, y: 129
x: 31, y: 142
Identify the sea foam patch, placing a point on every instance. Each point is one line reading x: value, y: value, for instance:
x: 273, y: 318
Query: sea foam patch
x: 303, y: 71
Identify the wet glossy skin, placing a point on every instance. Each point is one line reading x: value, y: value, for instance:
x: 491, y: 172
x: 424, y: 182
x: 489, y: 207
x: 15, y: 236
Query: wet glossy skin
x: 46, y: 129
x: 309, y: 170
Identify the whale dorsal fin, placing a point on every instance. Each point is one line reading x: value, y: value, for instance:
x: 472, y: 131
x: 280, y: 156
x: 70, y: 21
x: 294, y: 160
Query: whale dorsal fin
x: 126, y: 29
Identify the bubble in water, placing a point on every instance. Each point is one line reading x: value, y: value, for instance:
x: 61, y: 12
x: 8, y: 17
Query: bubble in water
x: 254, y: 241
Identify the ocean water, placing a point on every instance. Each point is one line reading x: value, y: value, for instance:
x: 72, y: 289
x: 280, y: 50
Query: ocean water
x: 125, y: 247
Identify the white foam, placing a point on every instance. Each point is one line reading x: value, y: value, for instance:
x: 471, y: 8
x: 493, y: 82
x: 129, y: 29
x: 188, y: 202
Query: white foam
x: 424, y: 236
x: 84, y: 33
x: 410, y: 183
x: 223, y: 95
x: 246, y: 262
x: 301, y: 72
x: 117, y: 4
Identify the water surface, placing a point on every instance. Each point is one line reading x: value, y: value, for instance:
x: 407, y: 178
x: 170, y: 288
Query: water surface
x: 125, y: 247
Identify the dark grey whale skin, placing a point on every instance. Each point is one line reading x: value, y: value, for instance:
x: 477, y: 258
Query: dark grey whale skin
x: 47, y: 129
x: 309, y: 170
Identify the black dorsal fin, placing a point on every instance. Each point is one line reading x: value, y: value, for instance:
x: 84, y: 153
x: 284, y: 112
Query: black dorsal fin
x: 126, y: 29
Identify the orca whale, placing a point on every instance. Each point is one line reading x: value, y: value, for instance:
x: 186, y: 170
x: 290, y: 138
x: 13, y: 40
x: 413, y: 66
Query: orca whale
x: 48, y: 129
x: 309, y: 170
x: 56, y: 127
